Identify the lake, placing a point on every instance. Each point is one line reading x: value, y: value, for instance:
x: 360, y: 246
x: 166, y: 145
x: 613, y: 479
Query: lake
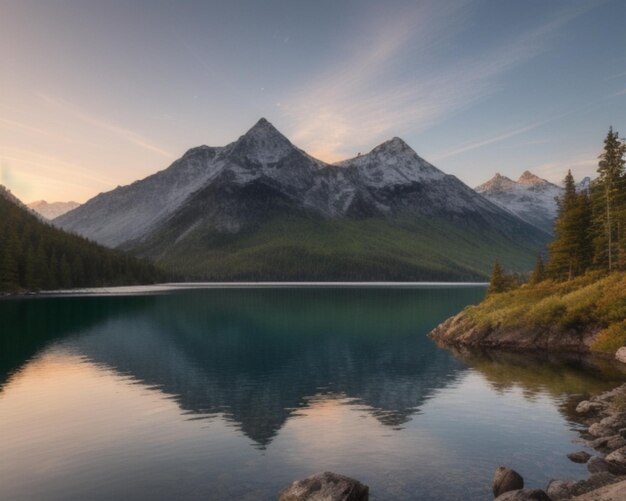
x: 233, y: 393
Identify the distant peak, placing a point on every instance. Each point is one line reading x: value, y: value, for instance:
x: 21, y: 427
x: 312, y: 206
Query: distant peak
x: 393, y: 145
x: 263, y: 130
x: 497, y: 182
x: 263, y: 143
x: 530, y: 179
x: 264, y: 125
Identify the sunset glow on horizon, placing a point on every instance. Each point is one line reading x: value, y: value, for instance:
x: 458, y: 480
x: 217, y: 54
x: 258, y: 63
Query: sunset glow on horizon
x: 102, y: 94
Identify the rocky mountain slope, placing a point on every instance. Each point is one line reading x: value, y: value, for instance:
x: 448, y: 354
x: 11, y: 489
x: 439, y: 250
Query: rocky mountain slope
x: 260, y: 208
x: 531, y: 198
x: 51, y: 210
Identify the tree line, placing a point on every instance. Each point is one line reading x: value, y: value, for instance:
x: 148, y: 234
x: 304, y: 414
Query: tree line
x: 36, y: 256
x: 590, y: 227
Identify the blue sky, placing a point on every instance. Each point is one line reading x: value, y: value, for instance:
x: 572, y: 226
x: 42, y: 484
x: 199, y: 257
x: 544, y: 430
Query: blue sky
x: 95, y: 94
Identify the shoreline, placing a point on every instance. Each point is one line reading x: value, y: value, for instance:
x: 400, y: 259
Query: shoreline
x: 176, y: 286
x: 603, y: 416
x: 460, y: 331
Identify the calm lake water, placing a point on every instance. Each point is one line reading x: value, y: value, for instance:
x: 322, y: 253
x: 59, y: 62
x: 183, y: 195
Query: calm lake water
x: 234, y: 393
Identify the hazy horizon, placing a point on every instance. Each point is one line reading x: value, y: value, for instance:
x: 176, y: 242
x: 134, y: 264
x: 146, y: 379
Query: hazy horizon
x: 102, y: 94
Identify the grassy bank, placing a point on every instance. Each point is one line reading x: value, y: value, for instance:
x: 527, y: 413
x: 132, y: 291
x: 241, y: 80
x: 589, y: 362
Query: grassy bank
x: 590, y: 309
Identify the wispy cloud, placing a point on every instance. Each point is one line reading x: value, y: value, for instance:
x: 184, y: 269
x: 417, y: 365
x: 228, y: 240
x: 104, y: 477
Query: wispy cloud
x: 52, y: 166
x: 479, y: 143
x: 126, y: 134
x: 375, y: 92
x: 556, y: 171
x: 473, y: 145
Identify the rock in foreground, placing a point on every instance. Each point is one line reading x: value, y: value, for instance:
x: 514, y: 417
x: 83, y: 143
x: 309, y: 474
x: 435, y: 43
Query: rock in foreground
x: 326, y: 486
x: 505, y: 480
x: 524, y: 495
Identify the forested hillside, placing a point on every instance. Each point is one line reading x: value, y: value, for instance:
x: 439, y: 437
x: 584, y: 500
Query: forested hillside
x: 577, y: 299
x: 37, y: 256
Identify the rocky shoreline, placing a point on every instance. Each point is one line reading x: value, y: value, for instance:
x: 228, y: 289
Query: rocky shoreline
x: 605, y: 419
x: 603, y: 415
x: 460, y: 330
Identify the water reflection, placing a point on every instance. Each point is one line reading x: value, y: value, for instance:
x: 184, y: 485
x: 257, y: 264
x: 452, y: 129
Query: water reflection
x: 258, y: 356
x: 166, y: 393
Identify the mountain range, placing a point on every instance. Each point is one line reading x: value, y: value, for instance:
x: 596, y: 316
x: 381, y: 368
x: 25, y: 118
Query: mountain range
x: 531, y: 198
x: 51, y: 210
x: 260, y: 208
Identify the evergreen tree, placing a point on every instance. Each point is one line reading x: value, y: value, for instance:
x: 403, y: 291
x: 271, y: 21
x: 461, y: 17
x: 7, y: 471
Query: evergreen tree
x: 498, y: 282
x: 570, y: 251
x: 609, y: 203
x: 35, y: 255
x: 539, y: 273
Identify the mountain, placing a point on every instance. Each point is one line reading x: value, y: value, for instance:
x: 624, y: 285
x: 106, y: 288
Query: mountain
x: 584, y: 184
x: 51, y: 210
x: 531, y: 198
x: 35, y: 255
x: 6, y: 194
x: 262, y: 209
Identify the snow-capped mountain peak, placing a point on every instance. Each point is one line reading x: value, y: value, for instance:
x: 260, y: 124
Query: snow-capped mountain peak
x: 263, y: 143
x: 530, y: 197
x: 497, y: 183
x: 262, y: 174
x: 393, y: 146
x: 391, y: 163
x: 530, y: 179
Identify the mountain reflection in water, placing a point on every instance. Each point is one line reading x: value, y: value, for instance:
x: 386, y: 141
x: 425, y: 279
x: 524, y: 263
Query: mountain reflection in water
x: 262, y: 362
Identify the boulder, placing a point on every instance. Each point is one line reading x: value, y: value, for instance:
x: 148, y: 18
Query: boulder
x: 579, y: 457
x: 598, y: 465
x: 600, y: 430
x: 587, y: 407
x: 599, y: 443
x: 325, y: 486
x: 524, y: 495
x: 505, y: 480
x: 620, y: 355
x: 561, y: 489
x: 617, y: 457
x: 613, y: 492
x: 615, y: 442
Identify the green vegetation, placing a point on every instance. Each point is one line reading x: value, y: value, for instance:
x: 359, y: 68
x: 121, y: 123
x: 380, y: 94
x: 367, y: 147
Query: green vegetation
x: 590, y: 230
x: 590, y: 303
x: 37, y: 256
x: 583, y: 286
x: 301, y: 248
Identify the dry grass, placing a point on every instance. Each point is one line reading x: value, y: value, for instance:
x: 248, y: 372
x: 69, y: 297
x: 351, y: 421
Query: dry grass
x: 593, y: 301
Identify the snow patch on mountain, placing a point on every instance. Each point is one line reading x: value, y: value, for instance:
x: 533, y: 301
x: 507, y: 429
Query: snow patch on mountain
x: 262, y: 172
x: 531, y: 198
x: 391, y: 163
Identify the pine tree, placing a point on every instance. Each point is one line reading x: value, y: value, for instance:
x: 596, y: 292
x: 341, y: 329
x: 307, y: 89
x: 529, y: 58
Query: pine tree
x: 539, y: 273
x: 498, y: 282
x: 570, y: 251
x: 609, y: 202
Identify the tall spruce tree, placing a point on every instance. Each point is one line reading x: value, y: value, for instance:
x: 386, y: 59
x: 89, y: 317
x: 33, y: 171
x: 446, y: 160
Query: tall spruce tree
x: 499, y: 281
x: 609, y: 203
x: 570, y: 251
x: 539, y: 272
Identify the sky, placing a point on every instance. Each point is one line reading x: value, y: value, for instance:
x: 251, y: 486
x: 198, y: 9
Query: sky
x: 96, y: 94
